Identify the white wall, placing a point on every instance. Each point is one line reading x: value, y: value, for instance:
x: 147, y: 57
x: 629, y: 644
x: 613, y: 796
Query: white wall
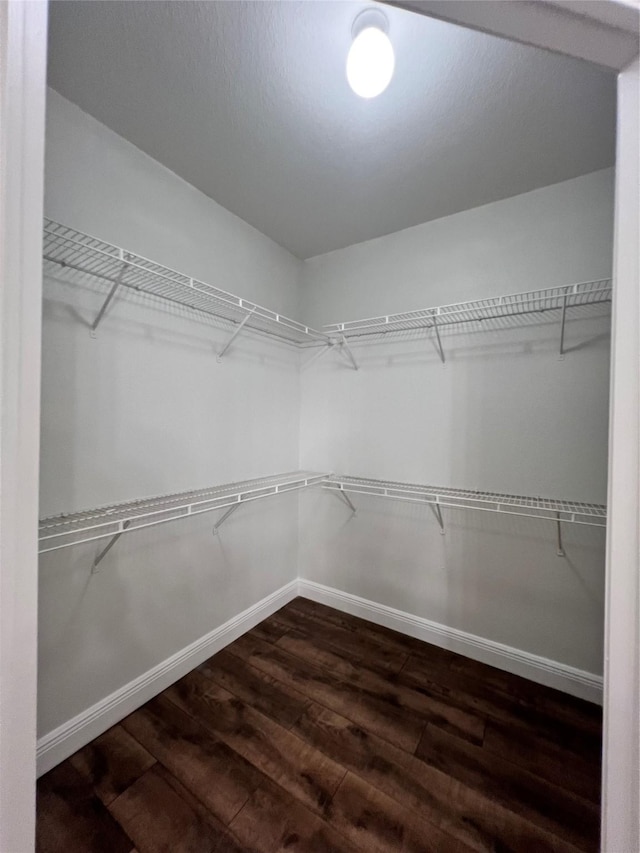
x: 504, y: 414
x: 145, y: 409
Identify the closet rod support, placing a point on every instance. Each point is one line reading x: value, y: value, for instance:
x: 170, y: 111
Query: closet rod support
x: 235, y: 334
x: 439, y: 342
x: 560, y: 550
x: 562, y: 325
x: 107, y: 548
x: 345, y: 346
x: 438, y: 514
x: 347, y: 500
x: 114, y: 288
x: 224, y: 517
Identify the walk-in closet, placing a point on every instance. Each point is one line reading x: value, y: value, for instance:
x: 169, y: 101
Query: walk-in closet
x: 324, y: 432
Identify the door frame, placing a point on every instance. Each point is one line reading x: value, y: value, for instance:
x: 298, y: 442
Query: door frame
x: 621, y: 732
x: 23, y: 45
x: 602, y: 31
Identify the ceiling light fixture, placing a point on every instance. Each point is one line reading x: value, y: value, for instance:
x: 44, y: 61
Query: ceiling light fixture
x: 370, y: 61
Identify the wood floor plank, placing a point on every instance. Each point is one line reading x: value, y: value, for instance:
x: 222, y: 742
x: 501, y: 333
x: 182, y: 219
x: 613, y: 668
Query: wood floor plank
x: 112, y: 762
x: 397, y: 725
x: 496, y: 679
x: 221, y: 779
x: 319, y: 654
x: 270, y: 630
x: 161, y: 816
x: 557, y: 810
x: 545, y: 759
x: 272, y: 821
x: 458, y: 720
x: 279, y: 701
x: 378, y: 824
x: 461, y: 811
x: 291, y: 762
x: 356, y: 644
x: 579, y: 713
x: 583, y: 715
x: 403, y: 643
x: 71, y: 818
x: 465, y: 691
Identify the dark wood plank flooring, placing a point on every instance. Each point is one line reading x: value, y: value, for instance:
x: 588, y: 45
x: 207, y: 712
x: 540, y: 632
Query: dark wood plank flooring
x: 319, y: 732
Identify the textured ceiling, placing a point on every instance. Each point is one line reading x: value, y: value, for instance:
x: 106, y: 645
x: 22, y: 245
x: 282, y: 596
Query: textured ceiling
x: 248, y: 101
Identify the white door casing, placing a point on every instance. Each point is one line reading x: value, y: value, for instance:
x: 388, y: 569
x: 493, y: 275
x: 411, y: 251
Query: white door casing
x: 23, y: 30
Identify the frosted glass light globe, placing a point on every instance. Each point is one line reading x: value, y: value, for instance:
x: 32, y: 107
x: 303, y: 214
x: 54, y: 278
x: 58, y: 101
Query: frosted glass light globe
x: 370, y: 63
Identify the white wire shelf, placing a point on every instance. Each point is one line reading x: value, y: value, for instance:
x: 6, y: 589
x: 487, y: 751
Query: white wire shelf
x: 75, y: 254
x: 65, y: 530
x: 480, y: 310
x: 530, y: 507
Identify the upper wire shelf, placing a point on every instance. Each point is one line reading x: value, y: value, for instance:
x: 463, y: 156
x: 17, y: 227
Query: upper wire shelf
x: 531, y: 507
x: 478, y: 310
x: 65, y: 530
x: 78, y: 253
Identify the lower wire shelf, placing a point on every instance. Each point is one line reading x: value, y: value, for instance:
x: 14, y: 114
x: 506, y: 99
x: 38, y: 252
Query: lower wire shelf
x: 572, y: 512
x: 63, y: 531
x: 111, y: 522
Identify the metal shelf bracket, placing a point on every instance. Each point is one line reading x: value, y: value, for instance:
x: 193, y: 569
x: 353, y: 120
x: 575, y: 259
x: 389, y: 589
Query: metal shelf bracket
x: 438, y: 514
x: 562, y: 325
x: 347, y: 500
x: 235, y: 334
x: 107, y: 548
x: 224, y: 517
x: 114, y: 288
x: 560, y: 550
x: 345, y: 346
x: 438, y: 341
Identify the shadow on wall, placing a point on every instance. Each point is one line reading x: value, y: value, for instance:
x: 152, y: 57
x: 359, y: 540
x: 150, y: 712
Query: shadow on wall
x: 529, y: 426
x: 143, y: 409
x: 158, y: 590
x: 154, y: 593
x: 83, y: 297
x: 495, y: 576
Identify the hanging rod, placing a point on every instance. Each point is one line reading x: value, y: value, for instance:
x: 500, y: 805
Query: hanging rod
x: 111, y: 522
x: 74, y: 254
x: 496, y: 308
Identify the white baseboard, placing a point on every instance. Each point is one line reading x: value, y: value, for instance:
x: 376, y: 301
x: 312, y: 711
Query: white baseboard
x: 574, y: 681
x: 62, y: 742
